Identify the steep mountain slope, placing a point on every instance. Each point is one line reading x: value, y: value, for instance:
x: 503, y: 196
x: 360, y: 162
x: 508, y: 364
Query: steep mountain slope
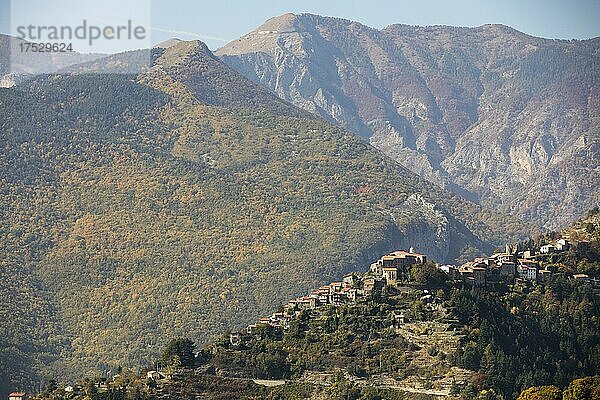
x: 506, y: 119
x: 184, y: 200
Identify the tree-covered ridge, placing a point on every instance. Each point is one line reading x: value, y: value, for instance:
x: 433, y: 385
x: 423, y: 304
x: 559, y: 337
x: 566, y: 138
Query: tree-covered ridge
x: 587, y: 228
x: 584, y: 254
x: 133, y: 212
x: 540, y: 336
x: 587, y: 388
x: 214, y: 83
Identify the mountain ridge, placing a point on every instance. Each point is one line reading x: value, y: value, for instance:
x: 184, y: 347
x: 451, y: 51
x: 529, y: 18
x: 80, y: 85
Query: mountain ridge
x: 17, y: 65
x: 430, y: 97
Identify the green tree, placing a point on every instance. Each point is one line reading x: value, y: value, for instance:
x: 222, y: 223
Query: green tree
x: 489, y: 394
x: 90, y: 390
x: 50, y: 387
x: 583, y: 389
x: 541, y: 393
x: 181, y: 348
x: 343, y: 390
x: 427, y: 275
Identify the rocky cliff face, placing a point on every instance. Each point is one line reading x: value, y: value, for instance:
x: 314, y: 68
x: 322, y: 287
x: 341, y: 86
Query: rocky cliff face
x: 508, y: 120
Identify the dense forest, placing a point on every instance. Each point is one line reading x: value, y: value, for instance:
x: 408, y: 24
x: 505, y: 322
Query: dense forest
x: 135, y: 208
x: 548, y: 335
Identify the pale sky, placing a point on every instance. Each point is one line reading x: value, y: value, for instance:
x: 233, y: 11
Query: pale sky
x: 230, y: 19
x: 217, y: 22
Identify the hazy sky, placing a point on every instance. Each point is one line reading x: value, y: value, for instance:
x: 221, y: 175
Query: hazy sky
x: 217, y: 22
x: 220, y: 21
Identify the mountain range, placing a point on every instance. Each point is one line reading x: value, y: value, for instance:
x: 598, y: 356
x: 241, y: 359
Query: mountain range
x: 505, y: 119
x: 18, y: 65
x: 184, y: 199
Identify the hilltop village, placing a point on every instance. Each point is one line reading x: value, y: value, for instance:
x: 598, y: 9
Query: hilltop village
x: 393, y: 269
x: 404, y: 328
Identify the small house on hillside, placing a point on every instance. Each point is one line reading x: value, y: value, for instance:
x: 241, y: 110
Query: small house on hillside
x: 528, y: 254
x: 251, y: 329
x: 527, y: 273
x: 562, y: 245
x: 376, y: 268
x: 479, y: 276
x: 508, y: 269
x: 581, y: 277
x: 390, y: 274
x: 500, y: 258
x: 372, y: 284
x: 17, y: 396
x: 349, y: 279
x: 154, y: 375
x: 395, y: 266
x: 547, y: 249
x: 399, y: 319
x: 543, y: 274
x: 235, y: 339
x: 450, y: 270
x: 335, y: 287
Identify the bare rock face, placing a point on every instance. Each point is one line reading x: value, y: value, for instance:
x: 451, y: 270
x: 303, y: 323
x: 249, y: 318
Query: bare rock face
x: 505, y: 119
x: 427, y: 226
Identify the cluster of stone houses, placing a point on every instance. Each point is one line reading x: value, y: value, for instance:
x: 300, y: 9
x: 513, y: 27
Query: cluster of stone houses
x: 390, y: 269
x: 336, y: 293
x: 508, y: 266
x: 395, y: 267
x: 560, y: 246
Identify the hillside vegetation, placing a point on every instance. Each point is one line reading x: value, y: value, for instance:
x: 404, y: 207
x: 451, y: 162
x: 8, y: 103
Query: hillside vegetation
x: 185, y: 200
x: 429, y: 338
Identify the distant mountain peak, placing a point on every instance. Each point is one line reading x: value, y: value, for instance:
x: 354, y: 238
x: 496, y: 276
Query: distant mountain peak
x: 168, y: 43
x: 265, y: 37
x: 429, y: 96
x: 279, y: 23
x: 181, y: 51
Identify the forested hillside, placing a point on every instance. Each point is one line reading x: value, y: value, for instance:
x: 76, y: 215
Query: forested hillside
x: 184, y: 200
x: 429, y: 338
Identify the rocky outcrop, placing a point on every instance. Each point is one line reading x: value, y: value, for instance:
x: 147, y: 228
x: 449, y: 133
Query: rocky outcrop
x: 505, y: 119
